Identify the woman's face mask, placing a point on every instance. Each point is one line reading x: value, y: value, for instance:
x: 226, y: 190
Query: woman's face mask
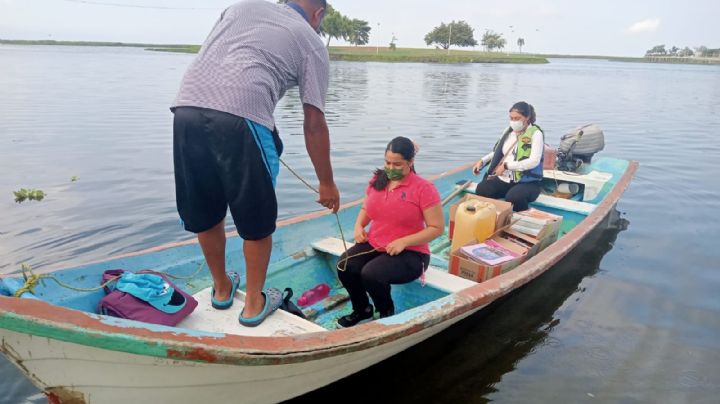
x: 517, y: 126
x: 396, y: 167
x: 394, y: 174
x: 517, y: 121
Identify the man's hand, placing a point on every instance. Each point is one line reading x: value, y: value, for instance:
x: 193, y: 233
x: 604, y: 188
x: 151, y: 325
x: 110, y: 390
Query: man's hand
x: 500, y: 169
x: 329, y: 197
x: 317, y: 142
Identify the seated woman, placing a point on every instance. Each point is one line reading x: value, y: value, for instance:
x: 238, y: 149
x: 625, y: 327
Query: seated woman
x: 405, y: 214
x: 516, y: 163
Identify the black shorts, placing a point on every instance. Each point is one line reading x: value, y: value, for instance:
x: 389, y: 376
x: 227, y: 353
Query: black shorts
x: 224, y: 160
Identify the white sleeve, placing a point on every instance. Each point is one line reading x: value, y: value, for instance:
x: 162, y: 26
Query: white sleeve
x: 535, y: 155
x: 488, y: 158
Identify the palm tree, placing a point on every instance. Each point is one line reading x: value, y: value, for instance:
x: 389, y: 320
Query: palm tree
x: 359, y: 32
x: 521, y: 43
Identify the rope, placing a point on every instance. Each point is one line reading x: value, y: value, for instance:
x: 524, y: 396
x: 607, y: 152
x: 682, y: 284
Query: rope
x: 444, y: 202
x: 337, y: 217
x: 32, y: 280
x: 347, y: 258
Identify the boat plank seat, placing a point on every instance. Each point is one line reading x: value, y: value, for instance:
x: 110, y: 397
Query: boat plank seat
x: 437, y: 278
x: 279, y: 323
x: 594, y: 181
x: 548, y: 201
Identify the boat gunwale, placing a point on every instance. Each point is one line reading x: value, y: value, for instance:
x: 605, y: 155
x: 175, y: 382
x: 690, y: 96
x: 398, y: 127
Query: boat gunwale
x: 43, y: 319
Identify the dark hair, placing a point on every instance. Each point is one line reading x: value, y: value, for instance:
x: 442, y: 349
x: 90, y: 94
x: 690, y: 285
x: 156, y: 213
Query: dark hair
x: 526, y: 110
x: 400, y: 145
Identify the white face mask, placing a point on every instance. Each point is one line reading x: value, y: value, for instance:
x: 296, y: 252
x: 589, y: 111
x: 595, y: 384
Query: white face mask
x: 517, y: 126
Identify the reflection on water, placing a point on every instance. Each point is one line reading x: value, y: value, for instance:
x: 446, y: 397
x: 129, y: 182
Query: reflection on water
x: 446, y: 92
x: 464, y: 363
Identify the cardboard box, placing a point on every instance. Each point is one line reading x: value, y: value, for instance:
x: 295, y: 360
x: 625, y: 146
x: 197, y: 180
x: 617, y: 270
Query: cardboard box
x: 503, y: 210
x: 467, y: 268
x: 549, y: 236
x: 531, y: 243
x: 532, y: 217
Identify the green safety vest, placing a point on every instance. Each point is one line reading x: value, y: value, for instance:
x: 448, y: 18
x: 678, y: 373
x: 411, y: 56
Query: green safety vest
x: 523, y: 149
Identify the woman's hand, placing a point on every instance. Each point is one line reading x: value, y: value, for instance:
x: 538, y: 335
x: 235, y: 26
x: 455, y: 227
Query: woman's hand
x: 477, y: 167
x: 396, y: 247
x: 360, y: 235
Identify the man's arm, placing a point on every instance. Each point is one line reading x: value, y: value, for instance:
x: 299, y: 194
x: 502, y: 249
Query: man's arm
x: 317, y: 143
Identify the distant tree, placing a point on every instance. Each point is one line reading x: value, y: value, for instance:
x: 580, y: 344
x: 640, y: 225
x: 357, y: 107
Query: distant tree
x: 687, y: 52
x: 335, y: 25
x: 456, y: 33
x: 359, y: 33
x: 658, y: 50
x: 520, y: 43
x: 701, y: 51
x: 673, y: 51
x: 492, y: 40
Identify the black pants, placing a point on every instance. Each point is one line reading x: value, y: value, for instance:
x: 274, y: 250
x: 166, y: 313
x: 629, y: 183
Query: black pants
x: 374, y: 272
x: 218, y: 163
x: 519, y: 194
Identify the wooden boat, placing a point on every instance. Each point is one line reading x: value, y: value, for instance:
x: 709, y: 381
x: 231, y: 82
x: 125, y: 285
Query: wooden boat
x: 75, y: 355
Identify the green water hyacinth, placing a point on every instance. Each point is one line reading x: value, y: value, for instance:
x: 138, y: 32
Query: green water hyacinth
x: 28, y: 194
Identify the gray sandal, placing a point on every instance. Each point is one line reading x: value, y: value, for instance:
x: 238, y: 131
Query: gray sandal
x: 273, y: 299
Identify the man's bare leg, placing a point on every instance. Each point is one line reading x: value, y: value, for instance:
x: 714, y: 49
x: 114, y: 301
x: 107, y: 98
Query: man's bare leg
x: 212, y: 243
x: 257, y: 257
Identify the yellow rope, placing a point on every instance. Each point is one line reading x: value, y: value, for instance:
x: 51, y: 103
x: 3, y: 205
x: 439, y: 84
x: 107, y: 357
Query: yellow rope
x: 347, y: 258
x: 337, y: 217
x: 32, y: 280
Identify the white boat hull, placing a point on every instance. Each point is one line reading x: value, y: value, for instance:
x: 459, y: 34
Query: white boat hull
x: 117, y: 377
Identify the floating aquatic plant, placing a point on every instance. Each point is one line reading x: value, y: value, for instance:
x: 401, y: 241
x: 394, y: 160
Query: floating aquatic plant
x: 28, y: 194
x: 74, y: 178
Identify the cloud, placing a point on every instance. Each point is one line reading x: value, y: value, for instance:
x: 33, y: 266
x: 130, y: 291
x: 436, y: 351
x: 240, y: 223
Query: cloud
x: 649, y: 25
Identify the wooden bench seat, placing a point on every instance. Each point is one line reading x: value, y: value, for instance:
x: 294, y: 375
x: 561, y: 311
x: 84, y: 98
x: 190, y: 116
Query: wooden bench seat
x: 437, y: 278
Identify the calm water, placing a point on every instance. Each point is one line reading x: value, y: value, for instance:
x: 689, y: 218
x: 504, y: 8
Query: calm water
x: 632, y: 316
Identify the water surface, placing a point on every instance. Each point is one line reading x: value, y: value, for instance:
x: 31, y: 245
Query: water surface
x: 632, y: 316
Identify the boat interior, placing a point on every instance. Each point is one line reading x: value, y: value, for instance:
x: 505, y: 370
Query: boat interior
x: 305, y: 254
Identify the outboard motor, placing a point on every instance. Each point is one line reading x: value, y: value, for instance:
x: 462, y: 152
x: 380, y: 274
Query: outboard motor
x: 578, y: 147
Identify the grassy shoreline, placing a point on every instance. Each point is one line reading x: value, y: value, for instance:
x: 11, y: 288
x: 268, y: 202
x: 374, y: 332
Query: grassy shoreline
x: 384, y: 54
x: 412, y: 55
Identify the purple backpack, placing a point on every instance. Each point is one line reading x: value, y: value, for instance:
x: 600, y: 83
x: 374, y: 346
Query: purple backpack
x: 124, y: 305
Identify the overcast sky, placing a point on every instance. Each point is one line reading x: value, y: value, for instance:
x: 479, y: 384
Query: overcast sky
x: 610, y: 27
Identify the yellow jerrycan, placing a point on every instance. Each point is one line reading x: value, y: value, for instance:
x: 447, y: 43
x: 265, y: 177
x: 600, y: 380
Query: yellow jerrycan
x: 474, y: 220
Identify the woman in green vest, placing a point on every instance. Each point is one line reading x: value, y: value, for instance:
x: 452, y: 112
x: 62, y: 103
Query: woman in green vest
x: 516, y: 162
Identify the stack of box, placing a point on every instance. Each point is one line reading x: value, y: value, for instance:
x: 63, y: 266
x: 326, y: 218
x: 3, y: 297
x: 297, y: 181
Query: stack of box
x: 464, y: 266
x: 532, y: 231
x: 542, y: 227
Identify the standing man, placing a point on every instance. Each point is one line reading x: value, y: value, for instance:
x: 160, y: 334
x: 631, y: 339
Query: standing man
x: 226, y: 148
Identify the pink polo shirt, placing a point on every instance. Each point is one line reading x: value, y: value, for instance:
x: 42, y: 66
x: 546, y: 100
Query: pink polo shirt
x: 399, y: 213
